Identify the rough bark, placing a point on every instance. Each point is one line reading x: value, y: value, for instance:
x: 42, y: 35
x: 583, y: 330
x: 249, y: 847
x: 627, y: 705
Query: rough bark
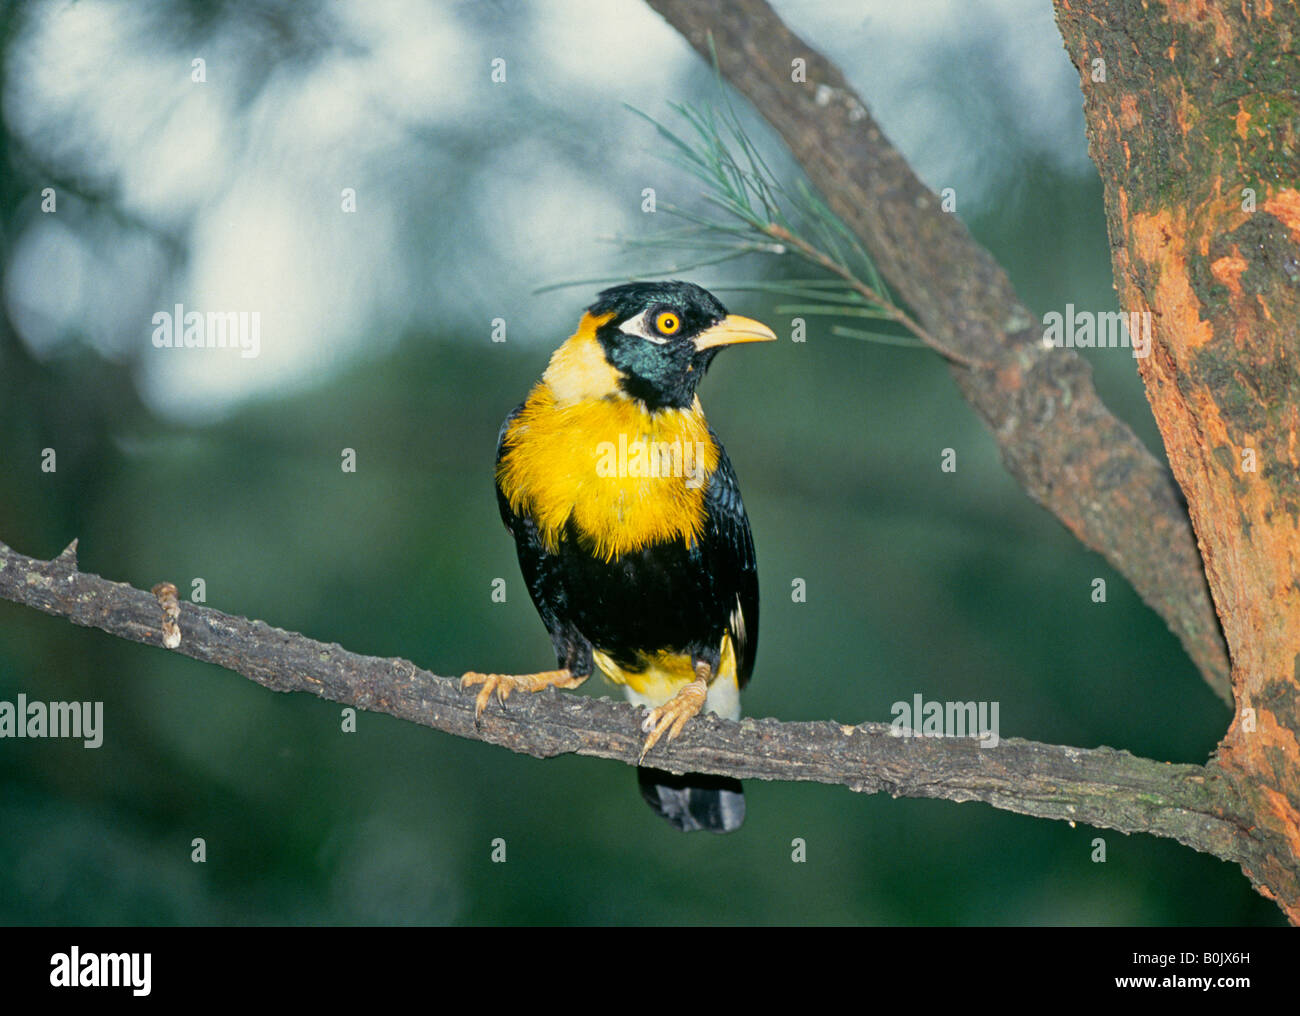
x: 1194, y: 122
x: 1055, y: 436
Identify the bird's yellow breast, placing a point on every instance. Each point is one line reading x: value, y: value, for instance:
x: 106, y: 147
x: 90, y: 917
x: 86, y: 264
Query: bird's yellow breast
x: 582, y: 449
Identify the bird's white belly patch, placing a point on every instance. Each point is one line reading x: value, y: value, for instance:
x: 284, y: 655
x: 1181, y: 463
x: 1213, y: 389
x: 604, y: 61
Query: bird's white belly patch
x: 665, y: 676
x: 723, y: 698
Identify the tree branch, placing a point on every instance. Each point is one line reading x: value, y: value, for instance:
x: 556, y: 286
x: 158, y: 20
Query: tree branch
x: 1055, y: 436
x: 1196, y: 805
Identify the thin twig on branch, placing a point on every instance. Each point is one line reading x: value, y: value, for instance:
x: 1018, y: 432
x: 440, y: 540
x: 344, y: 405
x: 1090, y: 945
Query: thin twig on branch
x: 891, y: 312
x: 1102, y: 787
x: 1055, y: 436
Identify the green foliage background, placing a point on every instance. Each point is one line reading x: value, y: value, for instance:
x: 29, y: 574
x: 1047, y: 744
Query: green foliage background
x: 953, y: 585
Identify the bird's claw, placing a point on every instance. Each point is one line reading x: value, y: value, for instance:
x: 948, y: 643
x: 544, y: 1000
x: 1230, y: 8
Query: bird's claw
x: 673, y: 714
x: 490, y: 683
x: 504, y: 684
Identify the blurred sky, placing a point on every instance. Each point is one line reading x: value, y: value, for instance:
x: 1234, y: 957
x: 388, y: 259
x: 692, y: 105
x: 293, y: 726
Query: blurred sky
x: 453, y: 173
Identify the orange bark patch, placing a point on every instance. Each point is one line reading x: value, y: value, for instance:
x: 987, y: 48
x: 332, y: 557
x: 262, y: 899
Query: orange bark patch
x: 1243, y: 121
x: 1277, y: 735
x: 1196, y: 13
x: 1248, y: 751
x: 1285, y: 206
x: 1159, y: 240
x: 1129, y: 117
x: 1228, y: 270
x: 1288, y: 818
x: 1183, y: 110
x: 1214, y: 428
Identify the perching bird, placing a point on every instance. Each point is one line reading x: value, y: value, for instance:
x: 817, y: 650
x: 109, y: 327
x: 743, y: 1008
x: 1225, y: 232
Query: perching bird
x: 631, y: 534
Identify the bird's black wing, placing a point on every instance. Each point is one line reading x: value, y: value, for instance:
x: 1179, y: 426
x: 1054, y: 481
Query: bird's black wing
x: 733, y: 568
x: 508, y: 516
x: 542, y: 575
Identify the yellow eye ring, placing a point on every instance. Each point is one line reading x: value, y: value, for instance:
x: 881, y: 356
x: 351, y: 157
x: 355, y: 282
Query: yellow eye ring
x: 666, y: 322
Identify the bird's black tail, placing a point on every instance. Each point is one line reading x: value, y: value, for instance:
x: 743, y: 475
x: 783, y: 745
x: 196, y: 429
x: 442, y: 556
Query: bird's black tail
x: 693, y: 801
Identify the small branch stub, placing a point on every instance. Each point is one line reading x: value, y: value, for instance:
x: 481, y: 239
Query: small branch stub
x: 171, y: 608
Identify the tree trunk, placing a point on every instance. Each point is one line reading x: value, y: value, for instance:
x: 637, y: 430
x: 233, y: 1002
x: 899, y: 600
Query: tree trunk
x: 1192, y: 112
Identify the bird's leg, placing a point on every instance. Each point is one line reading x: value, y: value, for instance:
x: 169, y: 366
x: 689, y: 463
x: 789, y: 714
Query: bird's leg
x: 673, y: 714
x: 504, y: 684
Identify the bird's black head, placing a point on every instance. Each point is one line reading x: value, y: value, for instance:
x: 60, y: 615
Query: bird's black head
x: 661, y: 337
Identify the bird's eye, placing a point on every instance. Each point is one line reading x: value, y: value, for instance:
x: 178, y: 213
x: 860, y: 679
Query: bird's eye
x: 667, y: 322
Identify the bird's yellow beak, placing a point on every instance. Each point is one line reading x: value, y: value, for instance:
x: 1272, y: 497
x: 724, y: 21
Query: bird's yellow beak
x: 733, y: 330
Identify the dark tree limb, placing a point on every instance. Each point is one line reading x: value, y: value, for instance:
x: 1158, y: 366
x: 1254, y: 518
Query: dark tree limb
x: 1055, y: 436
x: 1195, y: 805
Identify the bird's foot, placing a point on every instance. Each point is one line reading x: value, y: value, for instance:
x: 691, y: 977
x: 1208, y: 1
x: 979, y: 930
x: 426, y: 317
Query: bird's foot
x: 673, y: 714
x: 504, y: 684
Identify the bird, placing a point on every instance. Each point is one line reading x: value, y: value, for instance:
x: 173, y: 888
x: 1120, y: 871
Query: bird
x: 629, y: 527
